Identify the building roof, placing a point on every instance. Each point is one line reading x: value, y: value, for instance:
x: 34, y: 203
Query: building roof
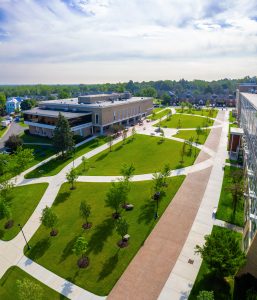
x: 74, y: 101
x: 252, y: 98
x: 55, y: 113
x: 236, y: 131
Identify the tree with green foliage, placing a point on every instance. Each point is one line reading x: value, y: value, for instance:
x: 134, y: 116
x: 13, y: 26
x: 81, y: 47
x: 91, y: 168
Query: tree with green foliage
x: 80, y: 248
x: 122, y: 227
x: 2, y: 103
x: 13, y: 142
x: 28, y: 104
x: 205, y: 295
x: 49, y: 219
x: 72, y: 177
x: 29, y: 290
x: 236, y: 190
x: 127, y: 171
x: 208, y: 103
x: 85, y: 163
x: 183, y: 105
x: 22, y: 158
x: 85, y: 211
x: 148, y: 92
x: 97, y: 141
x: 63, y: 137
x: 158, y: 186
x: 166, y: 98
x: 182, y: 153
x: 115, y: 196
x: 165, y: 173
x: 6, y: 187
x: 5, y: 209
x: 162, y: 134
x: 110, y: 142
x: 222, y: 253
x: 124, y: 135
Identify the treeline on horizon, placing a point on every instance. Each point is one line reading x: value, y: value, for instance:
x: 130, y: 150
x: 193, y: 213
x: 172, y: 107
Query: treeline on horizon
x: 160, y: 88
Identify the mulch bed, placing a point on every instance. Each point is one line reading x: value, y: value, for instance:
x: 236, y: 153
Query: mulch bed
x: 87, y: 225
x: 122, y: 244
x: 9, y: 224
x: 83, y: 262
x: 54, y: 232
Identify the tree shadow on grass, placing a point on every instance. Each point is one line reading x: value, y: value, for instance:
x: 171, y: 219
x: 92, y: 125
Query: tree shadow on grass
x: 119, y: 148
x: 100, y: 235
x: 1, y: 233
x: 210, y: 282
x: 109, y: 265
x: 62, y: 197
x: 39, y: 248
x: 102, y: 156
x: 68, y: 248
x: 147, y: 211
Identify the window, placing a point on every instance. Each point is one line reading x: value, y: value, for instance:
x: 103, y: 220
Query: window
x: 114, y: 115
x: 96, y: 118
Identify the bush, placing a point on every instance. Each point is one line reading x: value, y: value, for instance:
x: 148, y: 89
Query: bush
x: 13, y: 142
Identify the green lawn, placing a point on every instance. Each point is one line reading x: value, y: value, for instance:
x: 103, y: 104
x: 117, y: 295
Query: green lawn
x: 186, y: 121
x: 203, y: 112
x: 8, y: 287
x: 3, y: 130
x: 146, y: 153
x: 225, y: 208
x: 29, y: 138
x: 23, y: 201
x: 107, y: 260
x: 159, y: 115
x: 187, y: 134
x: 231, y: 118
x: 157, y: 109
x: 40, y: 153
x: 54, y: 166
x: 223, y: 289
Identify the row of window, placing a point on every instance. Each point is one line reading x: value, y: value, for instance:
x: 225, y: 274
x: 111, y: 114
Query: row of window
x: 126, y: 113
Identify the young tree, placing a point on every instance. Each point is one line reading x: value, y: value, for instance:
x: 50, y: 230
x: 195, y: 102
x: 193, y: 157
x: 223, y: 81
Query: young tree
x: 124, y: 135
x: 115, y: 197
x: 63, y: 137
x: 49, y: 219
x: 182, y: 153
x: 127, y: 171
x: 208, y: 102
x: 190, y: 106
x: 110, y: 142
x: 133, y: 133
x: 6, y: 187
x: 85, y: 211
x: 5, y: 209
x: 222, y: 253
x: 2, y: 103
x: 80, y: 249
x: 179, y: 124
x: 237, y: 191
x: 205, y: 295
x: 72, y: 177
x: 29, y: 290
x: 162, y: 135
x: 13, y: 142
x: 158, y: 185
x: 97, y: 141
x: 165, y: 173
x: 22, y: 158
x: 182, y: 104
x: 85, y: 163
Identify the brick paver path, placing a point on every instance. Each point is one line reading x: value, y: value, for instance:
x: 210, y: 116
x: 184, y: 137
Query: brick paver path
x: 148, y: 271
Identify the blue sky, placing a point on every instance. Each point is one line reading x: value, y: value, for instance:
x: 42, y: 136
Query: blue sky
x: 86, y: 41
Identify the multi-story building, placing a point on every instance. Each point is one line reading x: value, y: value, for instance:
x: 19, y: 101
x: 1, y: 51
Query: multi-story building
x: 88, y: 114
x: 12, y: 105
x: 247, y: 117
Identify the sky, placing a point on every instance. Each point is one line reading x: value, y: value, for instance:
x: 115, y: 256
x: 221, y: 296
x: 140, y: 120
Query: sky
x: 96, y: 41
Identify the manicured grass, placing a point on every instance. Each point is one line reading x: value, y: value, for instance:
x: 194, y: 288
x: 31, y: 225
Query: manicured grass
x: 159, y: 115
x: 187, y: 134
x: 8, y: 287
x: 23, y: 201
x: 225, y: 208
x: 223, y: 289
x: 40, y: 153
x: 147, y: 154
x: 29, y: 138
x: 3, y: 130
x: 231, y: 118
x: 107, y: 260
x: 203, y: 112
x: 157, y: 109
x: 55, y: 165
x: 186, y: 121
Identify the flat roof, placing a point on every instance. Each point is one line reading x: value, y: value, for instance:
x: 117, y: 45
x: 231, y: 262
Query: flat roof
x: 252, y: 98
x: 74, y: 101
x: 236, y: 131
x: 55, y: 113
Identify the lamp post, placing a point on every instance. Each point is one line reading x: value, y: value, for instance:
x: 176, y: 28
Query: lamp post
x: 24, y: 236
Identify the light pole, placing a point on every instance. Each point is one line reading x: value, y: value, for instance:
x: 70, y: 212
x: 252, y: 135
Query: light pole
x: 24, y: 236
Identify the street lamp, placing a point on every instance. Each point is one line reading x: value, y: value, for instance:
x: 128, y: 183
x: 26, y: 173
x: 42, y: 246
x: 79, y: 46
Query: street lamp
x: 24, y: 236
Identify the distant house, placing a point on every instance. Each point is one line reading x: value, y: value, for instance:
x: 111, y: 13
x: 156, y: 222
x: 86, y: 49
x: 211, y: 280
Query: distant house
x: 12, y: 105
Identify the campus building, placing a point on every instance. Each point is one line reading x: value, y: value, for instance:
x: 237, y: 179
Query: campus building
x: 88, y: 114
x: 247, y: 117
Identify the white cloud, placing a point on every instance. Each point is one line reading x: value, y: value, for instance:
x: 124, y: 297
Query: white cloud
x: 77, y: 33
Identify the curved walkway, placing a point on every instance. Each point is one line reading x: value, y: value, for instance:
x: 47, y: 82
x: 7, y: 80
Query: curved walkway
x: 11, y: 252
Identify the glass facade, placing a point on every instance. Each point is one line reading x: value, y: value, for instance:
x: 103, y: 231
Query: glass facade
x: 248, y: 122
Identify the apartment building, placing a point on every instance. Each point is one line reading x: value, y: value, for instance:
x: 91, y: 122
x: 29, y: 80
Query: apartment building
x: 88, y: 114
x: 247, y: 117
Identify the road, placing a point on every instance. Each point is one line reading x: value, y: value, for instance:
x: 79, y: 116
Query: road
x: 15, y: 128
